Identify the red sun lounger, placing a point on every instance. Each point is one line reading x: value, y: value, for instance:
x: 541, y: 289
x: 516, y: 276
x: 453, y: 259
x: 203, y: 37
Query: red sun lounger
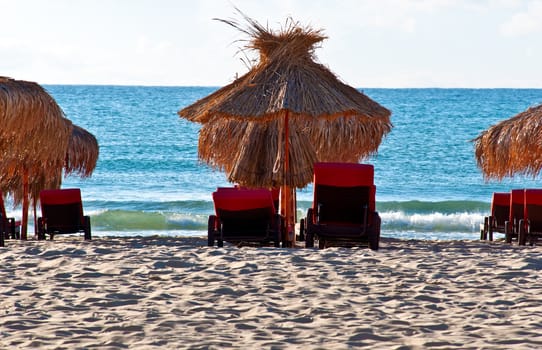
x: 500, y: 213
x: 517, y: 204
x: 9, y: 227
x: 244, y: 216
x: 62, y: 212
x: 343, y: 210
x: 531, y: 227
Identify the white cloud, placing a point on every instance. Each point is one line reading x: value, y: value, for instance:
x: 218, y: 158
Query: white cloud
x: 385, y: 43
x: 526, y: 22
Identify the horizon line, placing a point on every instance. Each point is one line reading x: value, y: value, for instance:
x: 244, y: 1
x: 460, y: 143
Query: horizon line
x: 364, y: 87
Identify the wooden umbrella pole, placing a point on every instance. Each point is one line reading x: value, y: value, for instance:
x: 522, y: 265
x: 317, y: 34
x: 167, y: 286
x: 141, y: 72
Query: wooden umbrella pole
x: 35, y: 219
x: 24, y: 219
x: 287, y: 190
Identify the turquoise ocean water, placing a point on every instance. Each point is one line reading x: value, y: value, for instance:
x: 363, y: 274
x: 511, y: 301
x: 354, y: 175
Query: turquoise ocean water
x: 149, y: 181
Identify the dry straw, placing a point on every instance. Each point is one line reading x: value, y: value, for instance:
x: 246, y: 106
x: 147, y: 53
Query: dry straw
x: 37, y: 143
x: 82, y: 153
x: 513, y: 146
x: 33, y: 138
x: 243, y: 130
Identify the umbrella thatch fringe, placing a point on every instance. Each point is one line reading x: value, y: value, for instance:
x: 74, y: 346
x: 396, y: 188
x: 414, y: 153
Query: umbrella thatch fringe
x: 218, y: 142
x: 346, y: 139
x: 343, y: 139
x: 36, y: 183
x: 512, y: 146
x: 233, y: 146
x: 82, y: 153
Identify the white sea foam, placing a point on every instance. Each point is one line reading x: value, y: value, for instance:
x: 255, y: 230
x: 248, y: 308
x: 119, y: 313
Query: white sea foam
x: 431, y: 222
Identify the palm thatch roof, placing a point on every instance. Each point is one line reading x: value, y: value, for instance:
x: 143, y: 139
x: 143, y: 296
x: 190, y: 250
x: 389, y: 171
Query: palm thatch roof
x: 243, y: 122
x: 34, y: 136
x: 37, y: 143
x: 513, y: 146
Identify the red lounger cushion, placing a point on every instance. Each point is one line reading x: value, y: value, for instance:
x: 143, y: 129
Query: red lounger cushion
x: 343, y: 174
x: 517, y: 196
x: 533, y: 196
x: 63, y: 196
x: 501, y: 198
x: 533, y: 210
x: 243, y: 199
x: 517, y: 202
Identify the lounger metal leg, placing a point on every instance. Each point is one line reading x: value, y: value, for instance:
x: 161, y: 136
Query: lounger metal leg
x: 491, y: 220
x: 41, y: 229
x: 309, y: 241
x: 321, y: 244
x: 486, y: 228
x: 507, y: 232
x: 365, y: 214
x: 309, y: 238
x: 211, y: 229
x: 88, y: 234
x: 374, y: 234
x: 1, y: 231
x: 220, y: 240
x: 483, y: 233
x: 301, y: 230
x: 522, y: 234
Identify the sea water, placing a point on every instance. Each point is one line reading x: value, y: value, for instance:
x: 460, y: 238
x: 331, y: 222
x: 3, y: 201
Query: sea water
x: 149, y: 181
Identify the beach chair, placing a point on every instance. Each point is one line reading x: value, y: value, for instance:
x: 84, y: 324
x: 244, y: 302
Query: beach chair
x: 517, y: 204
x: 244, y: 216
x: 9, y: 227
x: 62, y: 213
x: 343, y: 211
x: 500, y: 213
x: 530, y: 228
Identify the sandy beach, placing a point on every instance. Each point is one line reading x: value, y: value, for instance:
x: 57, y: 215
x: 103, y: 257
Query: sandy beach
x: 176, y: 293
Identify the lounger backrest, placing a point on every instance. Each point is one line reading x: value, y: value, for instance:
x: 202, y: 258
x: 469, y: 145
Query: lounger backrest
x: 342, y: 190
x: 275, y: 193
x: 500, y: 207
x: 243, y: 200
x: 62, y: 208
x: 517, y: 204
x: 244, y: 208
x: 533, y: 209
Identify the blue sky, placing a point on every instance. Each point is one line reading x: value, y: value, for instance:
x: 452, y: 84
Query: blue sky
x: 384, y: 43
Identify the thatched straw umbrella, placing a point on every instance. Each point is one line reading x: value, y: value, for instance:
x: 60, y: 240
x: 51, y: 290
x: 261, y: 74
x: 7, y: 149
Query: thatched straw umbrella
x: 82, y: 153
x: 513, y: 146
x: 34, y: 143
x: 268, y: 127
